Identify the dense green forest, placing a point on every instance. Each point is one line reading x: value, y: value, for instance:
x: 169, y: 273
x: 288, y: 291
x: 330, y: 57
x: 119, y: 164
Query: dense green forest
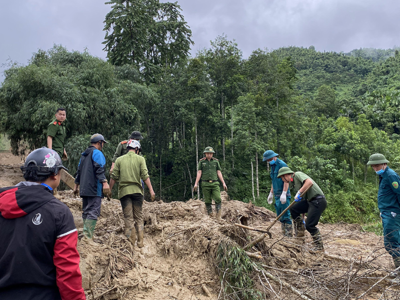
x: 325, y: 113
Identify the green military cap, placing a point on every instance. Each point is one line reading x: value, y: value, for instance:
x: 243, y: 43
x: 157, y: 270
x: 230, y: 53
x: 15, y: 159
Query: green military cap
x: 284, y: 171
x: 377, y: 159
x: 209, y: 150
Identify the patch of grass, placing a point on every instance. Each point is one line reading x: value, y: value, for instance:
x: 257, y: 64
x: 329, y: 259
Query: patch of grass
x: 376, y: 228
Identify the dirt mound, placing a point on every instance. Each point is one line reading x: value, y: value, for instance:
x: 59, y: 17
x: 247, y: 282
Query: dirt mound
x: 186, y: 255
x: 10, y: 172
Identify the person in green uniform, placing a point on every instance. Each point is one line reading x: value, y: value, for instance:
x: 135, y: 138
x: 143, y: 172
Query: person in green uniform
x: 56, y: 133
x: 313, y: 203
x: 129, y: 170
x: 389, y: 207
x: 209, y: 171
x: 122, y: 147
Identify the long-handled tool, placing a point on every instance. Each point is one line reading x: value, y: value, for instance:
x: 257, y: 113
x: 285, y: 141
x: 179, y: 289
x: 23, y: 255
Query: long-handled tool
x: 67, y: 178
x: 261, y: 237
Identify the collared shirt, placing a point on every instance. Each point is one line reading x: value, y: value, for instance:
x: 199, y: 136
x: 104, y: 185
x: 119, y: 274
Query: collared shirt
x: 297, y: 183
x: 57, y: 131
x: 389, y: 191
x: 128, y: 171
x: 277, y: 183
x: 209, y: 169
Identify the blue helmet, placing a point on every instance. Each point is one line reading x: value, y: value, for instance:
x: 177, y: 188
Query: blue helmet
x: 269, y: 154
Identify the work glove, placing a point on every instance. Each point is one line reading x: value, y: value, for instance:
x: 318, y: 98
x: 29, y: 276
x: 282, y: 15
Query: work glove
x: 270, y: 197
x: 298, y: 198
x: 283, y: 197
x: 107, y: 193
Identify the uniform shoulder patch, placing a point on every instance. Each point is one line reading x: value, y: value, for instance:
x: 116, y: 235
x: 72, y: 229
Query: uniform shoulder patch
x: 124, y: 142
x: 55, y: 123
x: 201, y: 159
x: 215, y: 158
x: 395, y: 184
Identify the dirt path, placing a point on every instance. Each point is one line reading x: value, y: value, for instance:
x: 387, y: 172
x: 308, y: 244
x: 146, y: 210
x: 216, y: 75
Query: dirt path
x: 181, y: 243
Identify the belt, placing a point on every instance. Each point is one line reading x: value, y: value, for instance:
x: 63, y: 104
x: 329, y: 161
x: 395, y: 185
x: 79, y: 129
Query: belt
x: 318, y: 197
x: 210, y: 181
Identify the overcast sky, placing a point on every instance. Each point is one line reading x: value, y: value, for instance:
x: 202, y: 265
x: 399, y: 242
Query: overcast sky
x: 331, y: 25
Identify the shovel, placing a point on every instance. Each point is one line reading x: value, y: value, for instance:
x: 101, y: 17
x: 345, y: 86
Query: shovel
x: 260, y: 238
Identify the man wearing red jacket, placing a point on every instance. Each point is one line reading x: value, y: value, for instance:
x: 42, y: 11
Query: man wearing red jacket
x: 38, y: 255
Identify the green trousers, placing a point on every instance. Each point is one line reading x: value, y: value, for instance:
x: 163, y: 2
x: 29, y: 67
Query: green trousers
x: 211, y: 191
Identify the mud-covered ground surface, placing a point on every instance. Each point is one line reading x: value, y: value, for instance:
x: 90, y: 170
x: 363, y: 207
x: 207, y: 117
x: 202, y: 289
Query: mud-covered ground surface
x: 178, y: 260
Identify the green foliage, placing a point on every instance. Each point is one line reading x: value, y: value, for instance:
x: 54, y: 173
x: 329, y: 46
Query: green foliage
x: 146, y: 34
x: 236, y: 270
x: 376, y: 228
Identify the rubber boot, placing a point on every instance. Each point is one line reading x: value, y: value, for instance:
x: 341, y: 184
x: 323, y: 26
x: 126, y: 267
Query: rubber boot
x: 140, y: 236
x: 219, y: 211
x: 131, y: 235
x: 209, y: 209
x: 317, y: 241
x: 287, y: 229
x: 299, y: 228
x: 88, y: 228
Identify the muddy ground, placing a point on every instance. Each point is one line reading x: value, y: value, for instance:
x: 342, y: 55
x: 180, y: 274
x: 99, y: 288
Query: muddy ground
x: 181, y: 243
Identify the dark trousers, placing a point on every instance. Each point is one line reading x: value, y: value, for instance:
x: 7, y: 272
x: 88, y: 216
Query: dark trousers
x: 91, y: 207
x: 132, y: 210
x: 313, y: 208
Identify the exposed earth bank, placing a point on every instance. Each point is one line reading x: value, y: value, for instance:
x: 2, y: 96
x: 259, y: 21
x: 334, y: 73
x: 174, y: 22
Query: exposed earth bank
x: 182, y: 254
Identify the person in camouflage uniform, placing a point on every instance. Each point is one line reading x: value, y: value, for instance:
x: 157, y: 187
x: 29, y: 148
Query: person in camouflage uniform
x: 122, y: 148
x: 209, y: 171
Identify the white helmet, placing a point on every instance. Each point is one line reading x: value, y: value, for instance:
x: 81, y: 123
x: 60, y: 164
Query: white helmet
x: 134, y: 144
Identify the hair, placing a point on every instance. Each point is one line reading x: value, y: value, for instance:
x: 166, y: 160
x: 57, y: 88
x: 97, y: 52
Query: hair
x: 31, y: 175
x: 60, y: 109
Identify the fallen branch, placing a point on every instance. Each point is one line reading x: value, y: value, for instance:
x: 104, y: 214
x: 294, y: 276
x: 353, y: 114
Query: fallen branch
x: 250, y: 228
x: 254, y: 255
x: 201, y: 283
x: 292, y: 288
x: 363, y: 294
x: 206, y: 291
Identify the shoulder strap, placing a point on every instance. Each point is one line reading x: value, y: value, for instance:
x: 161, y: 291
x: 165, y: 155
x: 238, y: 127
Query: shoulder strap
x: 214, y: 158
x: 201, y: 159
x: 124, y: 142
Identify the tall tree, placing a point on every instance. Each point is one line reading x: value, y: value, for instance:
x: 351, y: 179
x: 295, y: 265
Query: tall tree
x: 146, y: 33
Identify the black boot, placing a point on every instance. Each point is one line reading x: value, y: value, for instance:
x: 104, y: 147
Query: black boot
x: 317, y: 240
x: 287, y: 229
x: 299, y: 227
x: 209, y: 209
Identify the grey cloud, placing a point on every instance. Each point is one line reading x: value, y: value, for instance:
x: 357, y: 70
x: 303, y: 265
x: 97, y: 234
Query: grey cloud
x: 331, y: 25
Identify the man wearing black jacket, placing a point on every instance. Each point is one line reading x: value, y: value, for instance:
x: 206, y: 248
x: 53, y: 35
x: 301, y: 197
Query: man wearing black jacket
x: 93, y: 183
x: 38, y: 255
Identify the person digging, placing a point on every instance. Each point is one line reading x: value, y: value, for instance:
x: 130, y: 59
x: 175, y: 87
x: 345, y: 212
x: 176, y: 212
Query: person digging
x: 279, y: 191
x: 313, y: 203
x: 129, y: 170
x: 209, y: 171
x: 389, y: 207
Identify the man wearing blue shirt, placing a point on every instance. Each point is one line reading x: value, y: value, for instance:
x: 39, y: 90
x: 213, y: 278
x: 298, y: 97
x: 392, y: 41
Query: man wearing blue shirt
x: 279, y: 191
x: 389, y: 206
x: 93, y: 183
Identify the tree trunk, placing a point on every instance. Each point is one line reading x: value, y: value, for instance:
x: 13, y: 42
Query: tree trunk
x: 197, y: 153
x: 252, y: 181
x: 223, y: 118
x: 233, y: 158
x: 257, y: 182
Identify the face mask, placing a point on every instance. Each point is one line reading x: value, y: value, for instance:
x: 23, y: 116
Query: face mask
x: 272, y: 162
x: 380, y: 172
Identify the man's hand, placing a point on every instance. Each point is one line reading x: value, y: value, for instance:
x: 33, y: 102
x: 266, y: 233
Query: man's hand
x: 153, y: 196
x: 270, y: 197
x: 76, y: 190
x: 298, y: 198
x: 283, y: 197
x: 65, y: 156
x: 195, y: 187
x: 225, y: 187
x: 106, y: 190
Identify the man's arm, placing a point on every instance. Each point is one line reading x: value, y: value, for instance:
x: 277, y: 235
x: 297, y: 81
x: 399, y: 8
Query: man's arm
x: 199, y: 172
x: 221, y: 178
x: 49, y: 142
x: 285, y: 187
x: 150, y: 187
